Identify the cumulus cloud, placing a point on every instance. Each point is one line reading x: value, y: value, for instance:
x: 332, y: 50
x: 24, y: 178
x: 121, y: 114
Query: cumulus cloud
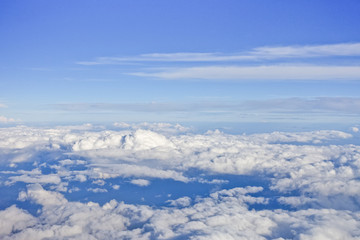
x: 224, y: 214
x: 14, y: 219
x: 36, y: 193
x: 180, y: 202
x: 167, y: 129
x: 312, y: 172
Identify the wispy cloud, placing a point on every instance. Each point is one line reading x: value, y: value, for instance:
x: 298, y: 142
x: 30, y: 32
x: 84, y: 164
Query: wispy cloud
x: 284, y: 105
x: 260, y: 53
x: 269, y: 72
x: 327, y: 50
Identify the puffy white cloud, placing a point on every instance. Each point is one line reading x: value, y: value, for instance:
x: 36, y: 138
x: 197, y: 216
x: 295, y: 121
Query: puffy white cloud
x: 166, y: 129
x: 223, y: 214
x: 148, y: 154
x: 14, y: 219
x: 140, y: 182
x: 180, y: 202
x: 321, y: 182
x: 35, y: 192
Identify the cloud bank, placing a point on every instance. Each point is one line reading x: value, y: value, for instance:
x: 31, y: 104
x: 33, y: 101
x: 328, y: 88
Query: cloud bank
x: 307, y: 183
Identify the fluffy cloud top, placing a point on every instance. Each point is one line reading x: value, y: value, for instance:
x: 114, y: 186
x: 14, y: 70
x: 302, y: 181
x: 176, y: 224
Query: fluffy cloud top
x: 222, y: 215
x: 317, y: 180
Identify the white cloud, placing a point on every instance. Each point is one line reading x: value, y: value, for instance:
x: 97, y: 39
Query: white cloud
x: 36, y: 192
x: 328, y: 174
x: 180, y: 202
x: 14, y: 219
x: 327, y: 50
x: 49, y: 178
x: 97, y: 190
x: 355, y: 129
x: 325, y: 178
x: 163, y: 128
x: 260, y: 53
x: 140, y: 182
x: 147, y: 154
x: 265, y: 72
x: 105, y: 171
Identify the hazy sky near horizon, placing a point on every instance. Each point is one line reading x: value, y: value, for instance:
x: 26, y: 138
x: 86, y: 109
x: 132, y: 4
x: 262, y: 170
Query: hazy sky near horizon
x: 91, y: 61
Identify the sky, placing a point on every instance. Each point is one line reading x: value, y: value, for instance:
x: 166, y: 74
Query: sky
x: 225, y: 61
x: 199, y: 119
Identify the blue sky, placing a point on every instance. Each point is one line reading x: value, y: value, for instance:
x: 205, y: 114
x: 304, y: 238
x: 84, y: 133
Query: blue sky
x: 105, y: 61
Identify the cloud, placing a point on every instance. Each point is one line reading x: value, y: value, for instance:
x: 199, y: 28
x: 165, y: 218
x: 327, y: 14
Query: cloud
x: 289, y: 106
x: 36, y: 192
x: 140, y: 182
x: 180, y: 202
x: 167, y: 129
x: 97, y: 190
x: 260, y: 53
x: 264, y: 72
x: 4, y: 119
x: 38, y: 178
x: 327, y: 50
x: 14, y: 219
x: 313, y: 172
x: 224, y: 214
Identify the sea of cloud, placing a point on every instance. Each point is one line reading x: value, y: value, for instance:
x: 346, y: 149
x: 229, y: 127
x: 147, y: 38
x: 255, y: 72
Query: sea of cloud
x: 309, y: 188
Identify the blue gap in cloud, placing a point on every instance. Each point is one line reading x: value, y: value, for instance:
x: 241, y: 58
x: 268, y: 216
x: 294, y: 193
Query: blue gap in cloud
x: 161, y: 190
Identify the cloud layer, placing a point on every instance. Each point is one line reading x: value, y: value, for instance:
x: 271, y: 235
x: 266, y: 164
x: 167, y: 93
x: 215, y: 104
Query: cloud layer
x: 308, y: 183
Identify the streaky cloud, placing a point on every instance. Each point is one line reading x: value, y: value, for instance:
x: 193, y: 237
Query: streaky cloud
x: 259, y: 53
x: 285, y: 105
x: 264, y: 72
